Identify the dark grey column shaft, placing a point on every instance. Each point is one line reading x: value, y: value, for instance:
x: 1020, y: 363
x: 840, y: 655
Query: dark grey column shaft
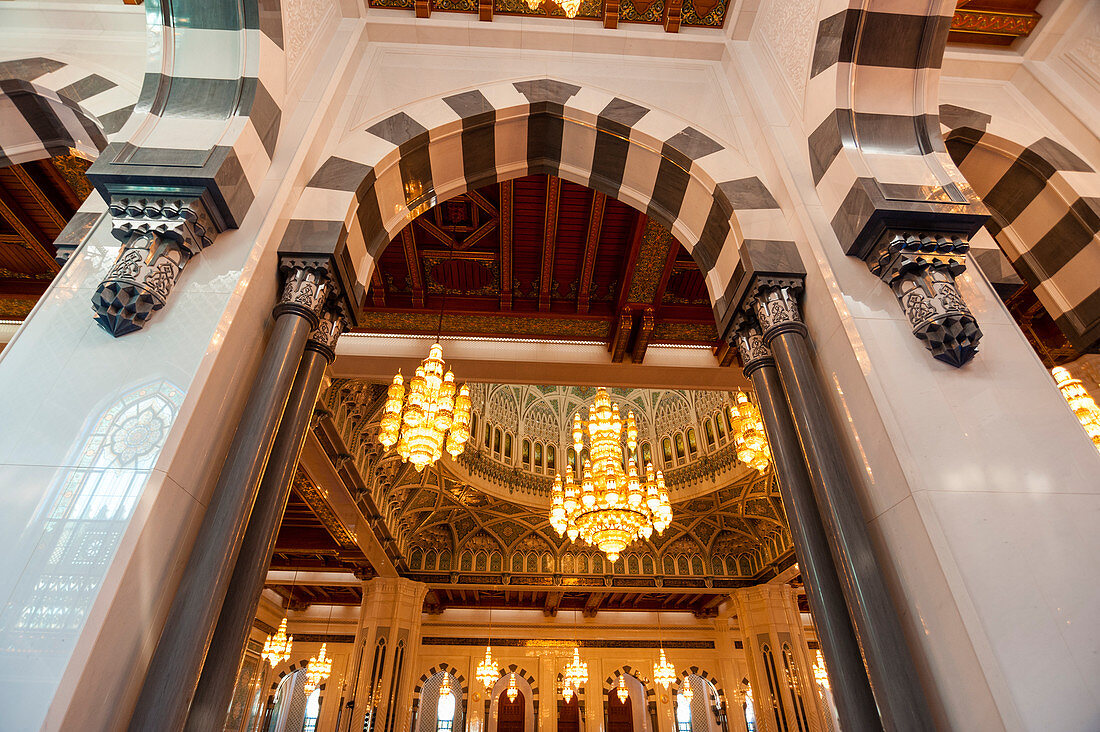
x: 211, y: 703
x: 174, y: 670
x: 851, y: 691
x: 890, y: 665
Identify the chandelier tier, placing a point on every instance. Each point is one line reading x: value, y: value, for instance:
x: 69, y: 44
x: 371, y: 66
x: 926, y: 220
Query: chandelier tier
x: 685, y: 689
x: 622, y: 692
x: 445, y: 686
x: 1079, y: 400
x: 612, y: 506
x: 566, y: 692
x: 435, y: 412
x: 576, y: 672
x: 277, y: 647
x: 748, y: 434
x: 317, y: 670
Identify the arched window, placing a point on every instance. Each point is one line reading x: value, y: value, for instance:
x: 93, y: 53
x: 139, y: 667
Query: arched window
x: 708, y: 431
x: 726, y: 419
x: 647, y: 454
x: 445, y: 712
x: 538, y: 457
x: 473, y: 424
x: 582, y: 563
x: 567, y: 563
x: 445, y: 561
x: 597, y: 564
x: 547, y: 562
x: 507, y: 447
x: 693, y: 446
x: 681, y: 564
x: 719, y: 426
x: 496, y: 441
x: 632, y: 564
x: 416, y: 559
x: 683, y: 710
x: 572, y: 454
x: 680, y: 452
x: 481, y: 562
x: 584, y: 456
x: 313, y: 711
x: 647, y: 564
x: 526, y: 454
x: 429, y: 559
x: 532, y: 563
x: 697, y: 564
x: 495, y: 562
x: 517, y: 562
x: 670, y: 565
x: 488, y: 433
x: 666, y: 450
x: 467, y: 563
x: 551, y: 458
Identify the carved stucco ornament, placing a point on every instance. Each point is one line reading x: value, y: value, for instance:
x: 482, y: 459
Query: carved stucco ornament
x: 921, y: 270
x: 159, y: 237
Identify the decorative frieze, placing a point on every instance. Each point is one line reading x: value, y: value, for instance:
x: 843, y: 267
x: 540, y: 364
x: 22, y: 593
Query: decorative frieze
x: 159, y: 237
x: 921, y: 270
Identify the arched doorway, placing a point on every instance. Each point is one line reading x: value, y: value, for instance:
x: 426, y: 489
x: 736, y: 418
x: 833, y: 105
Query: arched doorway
x: 620, y: 712
x: 569, y: 714
x: 511, y: 712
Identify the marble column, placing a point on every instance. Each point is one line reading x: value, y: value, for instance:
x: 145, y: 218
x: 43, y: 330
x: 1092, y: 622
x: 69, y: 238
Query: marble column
x: 855, y: 702
x: 174, y: 670
x: 211, y: 701
x: 389, y: 636
x: 890, y: 666
x: 778, y: 659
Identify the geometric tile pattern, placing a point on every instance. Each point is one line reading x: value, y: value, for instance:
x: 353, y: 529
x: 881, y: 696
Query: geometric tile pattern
x: 875, y: 149
x: 48, y: 108
x: 1045, y: 206
x: 381, y: 177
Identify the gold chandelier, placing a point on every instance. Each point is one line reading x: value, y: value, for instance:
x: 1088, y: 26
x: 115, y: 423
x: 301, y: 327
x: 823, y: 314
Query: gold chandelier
x: 569, y: 7
x: 445, y: 687
x: 1079, y: 400
x: 566, y: 692
x: 576, y: 673
x: 664, y: 673
x: 622, y: 692
x: 512, y: 692
x: 277, y: 647
x: 748, y: 434
x: 433, y: 410
x: 685, y: 689
x: 487, y: 672
x: 317, y: 670
x: 612, y: 506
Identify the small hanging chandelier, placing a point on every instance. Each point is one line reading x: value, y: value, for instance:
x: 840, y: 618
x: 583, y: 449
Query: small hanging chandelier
x: 317, y: 670
x: 445, y: 687
x: 277, y: 647
x: 664, y: 673
x: 1079, y: 400
x: 748, y: 434
x: 512, y: 692
x: 566, y: 692
x: 487, y: 672
x: 622, y: 692
x: 612, y: 506
x: 685, y: 689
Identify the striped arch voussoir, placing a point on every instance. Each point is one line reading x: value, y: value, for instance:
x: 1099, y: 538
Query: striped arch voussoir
x: 399, y: 166
x: 611, y: 681
x: 703, y: 674
x: 522, y: 673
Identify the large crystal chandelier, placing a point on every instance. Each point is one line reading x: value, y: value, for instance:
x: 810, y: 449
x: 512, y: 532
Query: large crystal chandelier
x: 317, y: 670
x: 612, y: 506
x: 277, y: 647
x: 1079, y: 400
x: 748, y: 433
x: 433, y: 410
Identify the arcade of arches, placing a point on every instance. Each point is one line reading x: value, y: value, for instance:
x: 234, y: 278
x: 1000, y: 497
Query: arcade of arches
x: 836, y: 264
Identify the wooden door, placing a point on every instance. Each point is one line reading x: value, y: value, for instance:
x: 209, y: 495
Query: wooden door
x: 569, y: 715
x: 510, y: 713
x: 620, y: 715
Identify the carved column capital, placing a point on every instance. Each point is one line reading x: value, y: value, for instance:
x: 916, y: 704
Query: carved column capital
x: 921, y: 270
x: 307, y: 286
x: 774, y: 301
x: 324, y: 336
x: 749, y: 339
x: 159, y: 237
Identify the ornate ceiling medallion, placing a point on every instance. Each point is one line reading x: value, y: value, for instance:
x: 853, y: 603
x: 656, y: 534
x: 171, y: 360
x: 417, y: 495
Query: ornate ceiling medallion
x: 612, y: 506
x: 417, y: 425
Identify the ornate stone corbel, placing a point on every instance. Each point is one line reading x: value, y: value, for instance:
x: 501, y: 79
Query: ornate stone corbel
x: 327, y: 332
x: 307, y: 288
x: 921, y: 270
x: 774, y: 301
x: 748, y: 338
x: 159, y: 237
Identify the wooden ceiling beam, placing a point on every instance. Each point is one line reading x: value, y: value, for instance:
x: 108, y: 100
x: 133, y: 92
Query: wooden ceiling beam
x: 611, y: 14
x: 39, y: 196
x: 636, y: 235
x: 673, y: 12
x: 485, y: 10
x: 34, y: 239
x: 377, y: 289
x: 621, y: 337
x: 592, y: 604
x: 641, y: 341
x: 591, y: 244
x: 423, y: 8
x: 412, y: 262
x: 506, y: 207
x: 550, y: 607
x: 549, y: 241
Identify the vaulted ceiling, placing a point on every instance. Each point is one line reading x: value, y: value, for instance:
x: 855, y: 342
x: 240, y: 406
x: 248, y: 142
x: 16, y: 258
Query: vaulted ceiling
x: 541, y: 257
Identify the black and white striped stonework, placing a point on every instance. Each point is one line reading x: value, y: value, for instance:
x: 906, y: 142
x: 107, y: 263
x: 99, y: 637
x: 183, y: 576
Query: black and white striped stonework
x: 48, y: 107
x: 216, y: 126
x: 875, y: 149
x: 1045, y: 205
x: 384, y: 175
